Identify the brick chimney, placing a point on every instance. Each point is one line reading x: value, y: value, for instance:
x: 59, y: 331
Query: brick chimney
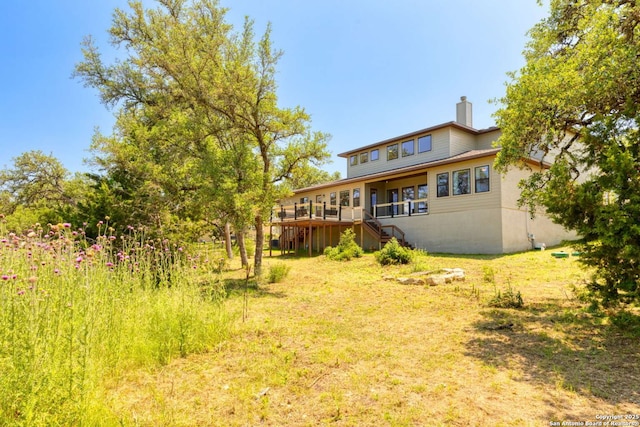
x: 464, y: 114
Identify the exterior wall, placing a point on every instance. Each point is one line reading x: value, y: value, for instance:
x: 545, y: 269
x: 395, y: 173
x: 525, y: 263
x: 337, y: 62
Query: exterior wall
x: 467, y: 223
x: 485, y: 141
x: 461, y: 141
x: 476, y: 231
x: 464, y: 202
x: 517, y: 224
x: 440, y: 149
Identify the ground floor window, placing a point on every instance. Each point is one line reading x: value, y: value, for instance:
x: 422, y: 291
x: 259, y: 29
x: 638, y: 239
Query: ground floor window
x: 356, y: 197
x: 344, y: 198
x: 482, y: 179
x: 443, y: 184
x: 423, y: 192
x: 461, y: 182
x: 332, y: 199
x: 408, y: 193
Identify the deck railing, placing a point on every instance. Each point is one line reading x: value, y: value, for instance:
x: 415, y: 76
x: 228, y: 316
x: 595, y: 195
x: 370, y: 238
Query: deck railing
x: 382, y: 232
x: 312, y: 210
x: 323, y: 211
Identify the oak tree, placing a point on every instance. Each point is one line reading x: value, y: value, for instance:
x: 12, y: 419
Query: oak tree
x: 575, y: 106
x: 197, y: 101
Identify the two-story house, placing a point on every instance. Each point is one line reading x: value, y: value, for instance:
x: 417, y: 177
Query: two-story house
x: 434, y: 189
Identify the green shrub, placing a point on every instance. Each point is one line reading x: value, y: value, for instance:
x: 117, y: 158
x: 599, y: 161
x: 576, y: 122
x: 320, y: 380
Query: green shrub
x: 394, y: 253
x: 347, y: 248
x: 278, y: 272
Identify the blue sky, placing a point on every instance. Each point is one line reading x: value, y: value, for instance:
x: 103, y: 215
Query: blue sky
x: 366, y: 70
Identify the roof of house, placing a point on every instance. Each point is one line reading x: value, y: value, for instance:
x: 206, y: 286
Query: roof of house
x: 454, y: 124
x: 467, y: 155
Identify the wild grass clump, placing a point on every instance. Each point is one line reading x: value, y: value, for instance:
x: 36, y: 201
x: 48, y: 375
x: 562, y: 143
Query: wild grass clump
x: 488, y: 274
x: 278, y: 272
x: 75, y: 314
x: 506, y: 299
x: 393, y: 253
x: 347, y: 248
x: 419, y: 261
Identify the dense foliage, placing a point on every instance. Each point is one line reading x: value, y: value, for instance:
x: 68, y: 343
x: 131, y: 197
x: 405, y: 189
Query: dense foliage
x: 576, y: 105
x: 199, y: 131
x: 346, y: 249
x: 393, y: 253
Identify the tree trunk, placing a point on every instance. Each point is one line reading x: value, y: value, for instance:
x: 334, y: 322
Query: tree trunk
x: 259, y: 245
x: 227, y: 240
x: 243, y: 249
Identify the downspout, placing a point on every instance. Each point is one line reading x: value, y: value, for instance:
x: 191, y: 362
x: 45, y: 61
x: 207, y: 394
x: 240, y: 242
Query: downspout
x: 530, y: 237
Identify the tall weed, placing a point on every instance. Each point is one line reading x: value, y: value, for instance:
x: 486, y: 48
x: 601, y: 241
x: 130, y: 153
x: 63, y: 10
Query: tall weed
x: 75, y: 313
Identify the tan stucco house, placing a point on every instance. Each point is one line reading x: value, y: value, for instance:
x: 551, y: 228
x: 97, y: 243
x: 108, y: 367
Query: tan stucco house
x: 433, y: 189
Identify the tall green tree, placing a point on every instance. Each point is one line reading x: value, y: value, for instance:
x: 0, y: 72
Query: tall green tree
x: 200, y: 101
x: 35, y: 178
x: 38, y: 188
x: 576, y: 105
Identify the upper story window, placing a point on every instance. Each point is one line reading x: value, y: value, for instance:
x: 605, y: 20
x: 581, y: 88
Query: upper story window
x: 304, y: 200
x: 332, y: 199
x: 424, y: 143
x: 392, y: 152
x: 364, y: 157
x: 353, y: 160
x: 407, y: 148
x: 375, y: 155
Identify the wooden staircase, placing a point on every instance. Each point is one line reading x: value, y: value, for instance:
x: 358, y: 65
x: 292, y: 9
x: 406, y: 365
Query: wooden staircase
x: 383, y: 233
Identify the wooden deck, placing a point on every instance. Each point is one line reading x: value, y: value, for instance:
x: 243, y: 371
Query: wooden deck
x: 298, y: 233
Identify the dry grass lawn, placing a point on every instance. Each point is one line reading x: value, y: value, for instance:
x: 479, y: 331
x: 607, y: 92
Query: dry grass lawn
x: 336, y: 344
